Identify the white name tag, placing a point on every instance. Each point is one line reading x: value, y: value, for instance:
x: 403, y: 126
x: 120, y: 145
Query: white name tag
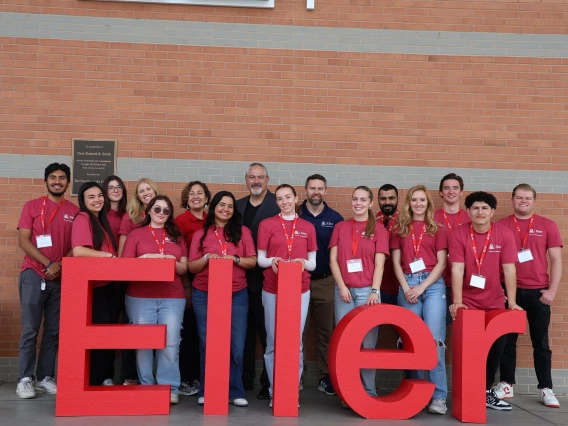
x: 477, y: 281
x: 525, y: 255
x: 43, y: 241
x: 417, y: 266
x: 354, y: 265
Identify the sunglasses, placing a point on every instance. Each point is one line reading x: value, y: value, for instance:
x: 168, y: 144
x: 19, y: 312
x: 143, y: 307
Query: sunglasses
x: 159, y: 210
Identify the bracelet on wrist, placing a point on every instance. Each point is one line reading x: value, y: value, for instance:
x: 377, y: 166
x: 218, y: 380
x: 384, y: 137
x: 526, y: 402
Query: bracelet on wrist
x: 49, y: 264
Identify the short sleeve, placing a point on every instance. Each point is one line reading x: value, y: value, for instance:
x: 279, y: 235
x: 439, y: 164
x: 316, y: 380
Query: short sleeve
x: 82, y: 235
x: 194, y: 251
x: 334, y: 240
x: 382, y: 242
x: 130, y: 247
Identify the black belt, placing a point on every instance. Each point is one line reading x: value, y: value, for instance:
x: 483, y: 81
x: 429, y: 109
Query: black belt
x: 319, y: 276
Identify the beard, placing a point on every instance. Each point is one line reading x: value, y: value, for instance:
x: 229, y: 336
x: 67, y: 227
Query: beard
x: 388, y: 209
x: 56, y: 193
x: 256, y: 190
x: 315, y: 201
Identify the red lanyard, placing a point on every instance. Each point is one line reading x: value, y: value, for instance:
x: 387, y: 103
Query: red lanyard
x: 222, y: 243
x: 525, y: 238
x: 42, y: 214
x: 392, y: 220
x: 479, y: 261
x: 417, y: 246
x: 289, y: 240
x: 355, y: 242
x: 161, y: 246
x: 458, y: 220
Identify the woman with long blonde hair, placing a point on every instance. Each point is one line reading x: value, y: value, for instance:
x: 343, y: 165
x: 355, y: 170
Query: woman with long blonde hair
x: 419, y: 249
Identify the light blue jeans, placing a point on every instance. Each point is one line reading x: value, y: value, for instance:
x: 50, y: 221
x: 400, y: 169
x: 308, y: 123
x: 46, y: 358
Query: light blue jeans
x: 143, y: 310
x: 269, y: 304
x: 359, y: 297
x: 431, y: 307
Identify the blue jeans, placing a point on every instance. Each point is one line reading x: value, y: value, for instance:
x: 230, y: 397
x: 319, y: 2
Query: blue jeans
x: 239, y: 313
x: 431, y: 307
x: 269, y: 304
x: 142, y: 310
x: 359, y: 298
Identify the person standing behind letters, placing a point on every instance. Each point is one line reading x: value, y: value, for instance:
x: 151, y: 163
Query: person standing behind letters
x: 254, y: 208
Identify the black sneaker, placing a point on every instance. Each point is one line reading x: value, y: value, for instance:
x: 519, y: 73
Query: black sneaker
x: 491, y: 401
x: 325, y: 385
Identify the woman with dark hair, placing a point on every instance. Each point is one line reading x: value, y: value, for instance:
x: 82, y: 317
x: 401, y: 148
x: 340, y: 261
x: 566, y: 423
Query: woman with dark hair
x: 223, y: 236
x: 115, y: 194
x: 194, y: 199
x: 92, y: 237
x: 358, y: 248
x: 419, y: 248
x: 148, y: 302
x: 281, y: 238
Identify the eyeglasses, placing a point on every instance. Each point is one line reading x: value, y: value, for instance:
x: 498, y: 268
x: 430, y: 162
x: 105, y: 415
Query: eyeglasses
x: 115, y: 188
x: 159, y: 210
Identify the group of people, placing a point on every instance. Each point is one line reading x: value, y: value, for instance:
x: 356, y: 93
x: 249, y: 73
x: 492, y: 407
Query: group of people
x: 433, y: 263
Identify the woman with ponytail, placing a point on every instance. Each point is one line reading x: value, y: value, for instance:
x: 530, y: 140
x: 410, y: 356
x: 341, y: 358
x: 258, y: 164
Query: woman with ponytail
x: 358, y: 248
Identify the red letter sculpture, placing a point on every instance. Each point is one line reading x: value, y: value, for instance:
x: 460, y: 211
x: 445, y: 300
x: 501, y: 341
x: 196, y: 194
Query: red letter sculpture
x: 287, y: 339
x: 78, y: 335
x: 346, y: 358
x: 218, y: 353
x: 474, y: 332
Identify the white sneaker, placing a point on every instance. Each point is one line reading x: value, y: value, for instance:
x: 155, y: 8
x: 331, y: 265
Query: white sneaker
x: 108, y: 382
x: 47, y: 385
x: 25, y: 388
x: 547, y: 398
x: 438, y: 406
x: 503, y: 390
x: 174, y: 398
x: 201, y: 400
x: 239, y: 402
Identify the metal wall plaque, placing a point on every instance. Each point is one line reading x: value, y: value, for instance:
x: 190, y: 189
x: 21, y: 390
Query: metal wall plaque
x: 93, y: 160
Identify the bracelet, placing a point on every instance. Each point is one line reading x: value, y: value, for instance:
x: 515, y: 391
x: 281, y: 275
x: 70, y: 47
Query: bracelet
x: 205, y: 257
x: 49, y: 264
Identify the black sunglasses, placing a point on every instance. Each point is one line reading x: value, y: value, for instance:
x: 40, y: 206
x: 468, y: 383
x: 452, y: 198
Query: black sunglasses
x: 158, y: 210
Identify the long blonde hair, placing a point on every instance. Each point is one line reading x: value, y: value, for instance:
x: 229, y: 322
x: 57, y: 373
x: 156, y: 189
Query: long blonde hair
x: 135, y: 206
x: 405, y: 219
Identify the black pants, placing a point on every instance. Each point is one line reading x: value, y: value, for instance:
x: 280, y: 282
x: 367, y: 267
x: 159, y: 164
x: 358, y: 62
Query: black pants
x: 127, y: 356
x: 538, y: 316
x: 493, y: 361
x: 189, y: 348
x: 255, y: 325
x: 105, y: 311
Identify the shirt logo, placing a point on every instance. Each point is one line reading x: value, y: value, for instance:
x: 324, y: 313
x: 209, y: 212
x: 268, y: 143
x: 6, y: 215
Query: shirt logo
x: 535, y: 232
x: 68, y: 217
x: 495, y: 247
x: 301, y: 234
x: 325, y: 224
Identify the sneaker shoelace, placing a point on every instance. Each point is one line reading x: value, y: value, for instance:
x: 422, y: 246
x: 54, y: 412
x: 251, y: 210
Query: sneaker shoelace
x: 28, y: 385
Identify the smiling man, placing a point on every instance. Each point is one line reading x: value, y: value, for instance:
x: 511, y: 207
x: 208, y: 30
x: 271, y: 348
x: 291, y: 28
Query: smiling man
x: 535, y: 236
x: 388, y: 217
x: 45, y: 237
x: 478, y: 251
x: 322, y: 285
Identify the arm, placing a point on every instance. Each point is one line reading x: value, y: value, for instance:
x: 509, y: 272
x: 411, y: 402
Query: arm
x: 441, y: 257
x: 81, y: 251
x: 374, y: 298
x: 310, y: 264
x: 181, y: 266
x: 121, y: 241
x: 458, y: 269
x: 265, y: 262
x: 555, y: 255
x: 248, y: 262
x: 344, y: 292
x: 510, y: 273
x: 397, y: 267
x: 198, y: 265
x: 25, y: 243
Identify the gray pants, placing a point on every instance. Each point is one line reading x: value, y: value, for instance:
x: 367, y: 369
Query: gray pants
x: 37, y: 303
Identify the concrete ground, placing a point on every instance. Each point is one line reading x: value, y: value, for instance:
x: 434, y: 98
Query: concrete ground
x: 316, y: 409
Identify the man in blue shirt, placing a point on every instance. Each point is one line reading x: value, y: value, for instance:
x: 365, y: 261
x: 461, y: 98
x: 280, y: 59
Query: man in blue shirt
x: 322, y: 285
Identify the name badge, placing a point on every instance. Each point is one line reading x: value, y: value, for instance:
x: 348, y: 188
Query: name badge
x: 417, y: 266
x: 477, y: 281
x: 354, y: 265
x: 525, y: 255
x: 43, y: 241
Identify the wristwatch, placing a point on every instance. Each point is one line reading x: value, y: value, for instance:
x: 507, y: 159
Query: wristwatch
x: 237, y: 259
x: 375, y: 290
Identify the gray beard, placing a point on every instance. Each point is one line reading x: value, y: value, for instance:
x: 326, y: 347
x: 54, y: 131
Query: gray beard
x: 256, y: 191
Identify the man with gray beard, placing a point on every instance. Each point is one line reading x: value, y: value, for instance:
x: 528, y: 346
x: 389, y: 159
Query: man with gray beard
x: 254, y: 208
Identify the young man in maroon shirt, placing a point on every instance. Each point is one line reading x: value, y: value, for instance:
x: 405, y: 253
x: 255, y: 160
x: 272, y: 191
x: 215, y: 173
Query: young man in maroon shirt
x: 477, y: 251
x: 535, y: 236
x: 44, y: 234
x: 388, y: 216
